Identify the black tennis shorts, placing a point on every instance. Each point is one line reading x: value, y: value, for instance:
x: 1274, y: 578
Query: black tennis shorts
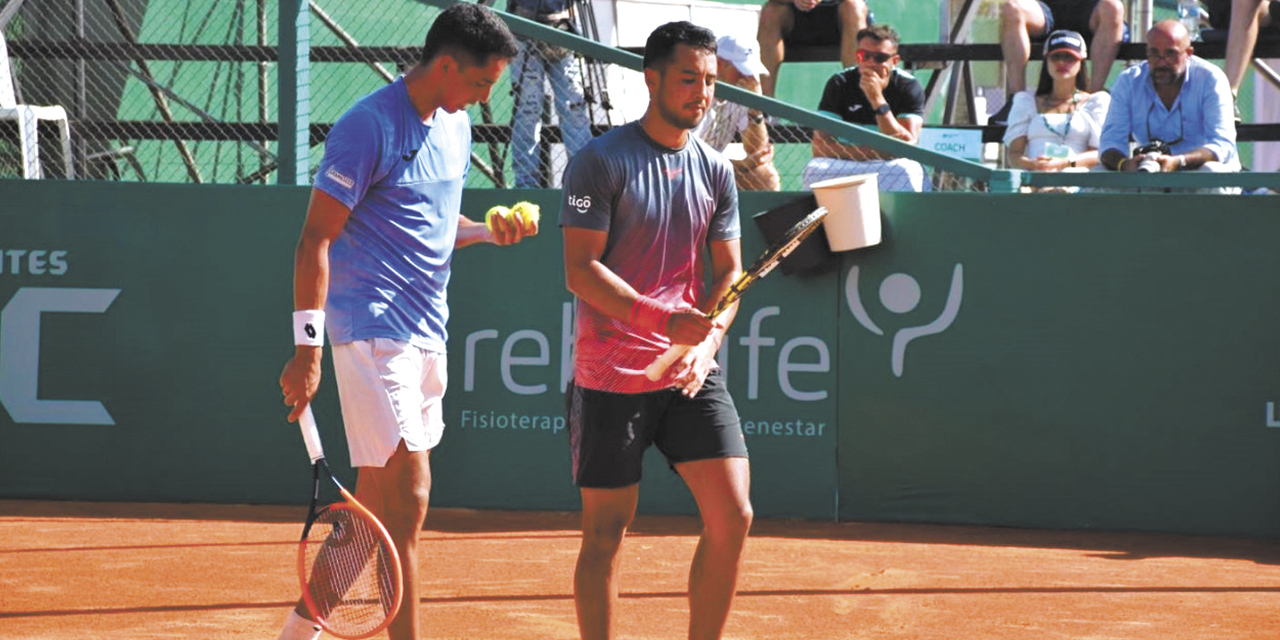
x: 609, y: 432
x: 819, y: 26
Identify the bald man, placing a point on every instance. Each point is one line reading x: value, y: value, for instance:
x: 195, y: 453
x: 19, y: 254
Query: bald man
x: 1175, y: 98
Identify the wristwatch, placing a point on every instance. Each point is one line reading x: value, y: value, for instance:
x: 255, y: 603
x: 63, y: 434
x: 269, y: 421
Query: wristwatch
x: 883, y: 109
x: 756, y: 117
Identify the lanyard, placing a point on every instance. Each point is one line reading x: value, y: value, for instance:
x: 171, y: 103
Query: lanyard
x: 1066, y: 128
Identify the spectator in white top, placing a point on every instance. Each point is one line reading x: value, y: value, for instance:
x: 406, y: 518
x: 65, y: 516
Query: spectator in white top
x: 1022, y: 20
x: 1056, y: 127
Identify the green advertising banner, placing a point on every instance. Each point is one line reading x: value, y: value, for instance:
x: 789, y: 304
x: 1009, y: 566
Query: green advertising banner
x: 144, y: 326
x: 141, y: 332
x: 1065, y: 361
x: 1048, y: 360
x: 511, y: 356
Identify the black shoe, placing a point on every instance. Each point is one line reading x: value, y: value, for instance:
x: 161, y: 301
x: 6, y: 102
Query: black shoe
x: 1001, y: 117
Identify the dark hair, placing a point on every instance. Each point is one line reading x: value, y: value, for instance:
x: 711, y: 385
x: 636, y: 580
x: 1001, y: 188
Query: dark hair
x: 470, y: 33
x: 880, y: 33
x: 661, y: 46
x: 1045, y: 86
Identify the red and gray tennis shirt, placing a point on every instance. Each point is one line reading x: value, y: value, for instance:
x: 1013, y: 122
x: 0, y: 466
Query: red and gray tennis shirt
x: 660, y: 208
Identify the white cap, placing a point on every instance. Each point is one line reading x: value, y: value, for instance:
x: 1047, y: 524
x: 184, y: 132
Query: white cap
x: 742, y: 53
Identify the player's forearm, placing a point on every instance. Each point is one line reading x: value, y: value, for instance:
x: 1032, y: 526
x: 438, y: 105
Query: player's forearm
x: 726, y: 268
x: 471, y: 232
x: 723, y: 322
x: 311, y: 272
x: 598, y: 286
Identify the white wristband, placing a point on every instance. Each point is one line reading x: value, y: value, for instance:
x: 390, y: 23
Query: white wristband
x: 308, y: 327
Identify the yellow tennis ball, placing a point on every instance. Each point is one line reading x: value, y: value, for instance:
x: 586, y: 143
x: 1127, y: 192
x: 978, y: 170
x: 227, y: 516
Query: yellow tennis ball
x: 498, y: 210
x: 527, y: 211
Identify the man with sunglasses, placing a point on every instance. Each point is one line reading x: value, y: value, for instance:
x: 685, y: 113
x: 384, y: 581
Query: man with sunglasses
x: 874, y: 94
x: 1174, y: 98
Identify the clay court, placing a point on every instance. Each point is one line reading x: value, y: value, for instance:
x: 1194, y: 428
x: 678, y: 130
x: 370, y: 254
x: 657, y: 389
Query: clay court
x: 132, y: 571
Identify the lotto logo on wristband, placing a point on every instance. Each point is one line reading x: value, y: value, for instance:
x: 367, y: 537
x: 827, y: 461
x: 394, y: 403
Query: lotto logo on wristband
x: 308, y: 327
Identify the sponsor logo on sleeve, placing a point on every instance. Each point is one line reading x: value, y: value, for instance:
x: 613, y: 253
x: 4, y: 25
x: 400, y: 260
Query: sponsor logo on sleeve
x: 581, y: 203
x: 338, y: 177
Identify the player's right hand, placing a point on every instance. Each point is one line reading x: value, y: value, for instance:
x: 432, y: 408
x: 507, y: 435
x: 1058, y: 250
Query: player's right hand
x: 508, y: 230
x: 689, y: 326
x: 301, y: 379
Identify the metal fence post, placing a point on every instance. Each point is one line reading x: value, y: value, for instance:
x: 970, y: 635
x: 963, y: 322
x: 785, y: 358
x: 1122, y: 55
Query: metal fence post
x: 295, y: 93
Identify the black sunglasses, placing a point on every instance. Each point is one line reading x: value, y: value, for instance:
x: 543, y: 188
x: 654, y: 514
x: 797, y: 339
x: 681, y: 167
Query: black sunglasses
x: 880, y: 58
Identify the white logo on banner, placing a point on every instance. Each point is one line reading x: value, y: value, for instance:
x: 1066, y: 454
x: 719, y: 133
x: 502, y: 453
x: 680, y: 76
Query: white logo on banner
x: 1271, y: 415
x: 900, y: 293
x: 20, y: 355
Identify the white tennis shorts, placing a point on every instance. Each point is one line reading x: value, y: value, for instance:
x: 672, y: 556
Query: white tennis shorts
x: 390, y: 391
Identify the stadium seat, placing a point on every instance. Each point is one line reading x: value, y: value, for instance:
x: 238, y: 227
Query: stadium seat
x: 28, y: 117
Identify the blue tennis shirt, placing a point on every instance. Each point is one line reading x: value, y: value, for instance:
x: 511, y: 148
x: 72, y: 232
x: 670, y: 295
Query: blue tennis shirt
x: 402, y: 180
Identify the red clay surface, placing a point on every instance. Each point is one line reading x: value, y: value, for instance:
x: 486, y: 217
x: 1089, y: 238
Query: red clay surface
x: 130, y: 571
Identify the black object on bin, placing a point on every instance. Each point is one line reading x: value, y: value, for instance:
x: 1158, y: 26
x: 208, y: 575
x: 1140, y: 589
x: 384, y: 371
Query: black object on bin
x: 813, y: 254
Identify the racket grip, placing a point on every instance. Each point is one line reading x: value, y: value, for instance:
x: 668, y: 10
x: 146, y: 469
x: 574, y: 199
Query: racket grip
x: 659, y: 366
x: 310, y: 434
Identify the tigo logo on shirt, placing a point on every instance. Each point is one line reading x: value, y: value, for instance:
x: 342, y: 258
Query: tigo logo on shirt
x: 581, y: 203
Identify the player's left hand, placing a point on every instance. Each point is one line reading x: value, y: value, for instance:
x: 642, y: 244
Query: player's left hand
x: 690, y: 372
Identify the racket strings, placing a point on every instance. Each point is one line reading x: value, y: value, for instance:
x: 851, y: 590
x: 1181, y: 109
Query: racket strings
x: 350, y: 580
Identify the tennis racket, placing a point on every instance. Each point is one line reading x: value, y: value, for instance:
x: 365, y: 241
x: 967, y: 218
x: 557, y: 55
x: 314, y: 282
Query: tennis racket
x: 349, y: 568
x: 758, y: 269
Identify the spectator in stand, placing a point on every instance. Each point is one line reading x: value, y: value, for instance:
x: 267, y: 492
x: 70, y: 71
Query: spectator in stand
x: 1057, y: 126
x: 738, y: 64
x: 1178, y: 108
x: 873, y: 94
x: 1022, y: 20
x: 1242, y: 19
x: 538, y: 64
x: 799, y: 23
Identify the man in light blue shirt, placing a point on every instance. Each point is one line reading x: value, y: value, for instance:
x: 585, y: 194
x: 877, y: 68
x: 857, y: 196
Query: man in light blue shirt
x: 1174, y: 98
x: 375, y: 256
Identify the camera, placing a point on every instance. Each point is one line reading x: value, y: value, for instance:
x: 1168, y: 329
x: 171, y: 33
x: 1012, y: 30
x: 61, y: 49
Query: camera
x: 1149, y: 165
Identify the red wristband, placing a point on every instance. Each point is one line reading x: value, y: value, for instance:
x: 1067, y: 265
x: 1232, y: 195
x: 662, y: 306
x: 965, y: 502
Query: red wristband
x: 650, y: 314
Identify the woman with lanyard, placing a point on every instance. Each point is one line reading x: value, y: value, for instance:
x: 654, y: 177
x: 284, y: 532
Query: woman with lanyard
x: 1056, y: 128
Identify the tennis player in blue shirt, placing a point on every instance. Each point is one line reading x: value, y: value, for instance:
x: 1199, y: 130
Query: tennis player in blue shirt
x: 1175, y: 98
x: 374, y: 261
